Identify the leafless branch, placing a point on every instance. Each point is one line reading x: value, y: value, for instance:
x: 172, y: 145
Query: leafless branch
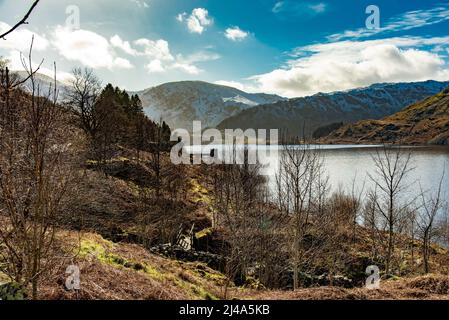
x: 23, y: 21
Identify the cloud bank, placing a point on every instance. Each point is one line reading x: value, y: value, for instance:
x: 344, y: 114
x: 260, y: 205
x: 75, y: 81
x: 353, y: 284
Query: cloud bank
x: 350, y: 64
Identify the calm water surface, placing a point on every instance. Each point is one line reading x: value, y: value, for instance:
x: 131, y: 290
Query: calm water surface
x: 343, y: 163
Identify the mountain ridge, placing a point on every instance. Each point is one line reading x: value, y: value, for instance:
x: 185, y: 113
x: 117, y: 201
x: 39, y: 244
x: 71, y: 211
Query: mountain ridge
x: 304, y: 115
x: 425, y: 122
x: 180, y: 103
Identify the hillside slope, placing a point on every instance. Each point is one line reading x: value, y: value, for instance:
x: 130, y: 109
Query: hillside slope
x: 123, y: 271
x: 44, y: 85
x: 426, y: 122
x: 307, y: 114
x: 180, y: 103
x: 118, y: 262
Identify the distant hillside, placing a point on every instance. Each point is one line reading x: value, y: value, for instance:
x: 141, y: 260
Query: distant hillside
x: 426, y: 122
x: 310, y: 113
x: 180, y: 103
x: 44, y: 84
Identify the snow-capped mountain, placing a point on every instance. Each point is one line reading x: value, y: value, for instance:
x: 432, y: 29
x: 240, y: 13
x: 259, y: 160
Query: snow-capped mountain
x: 44, y: 85
x: 181, y: 103
x: 305, y: 115
x: 425, y: 122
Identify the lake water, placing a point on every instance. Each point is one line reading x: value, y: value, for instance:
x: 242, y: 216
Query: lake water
x: 343, y: 163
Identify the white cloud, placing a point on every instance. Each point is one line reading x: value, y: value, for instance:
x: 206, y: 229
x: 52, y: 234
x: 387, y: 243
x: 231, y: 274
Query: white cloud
x: 20, y: 39
x: 155, y: 49
x: 187, y: 68
x: 200, y: 56
x: 117, y: 42
x: 197, y: 21
x: 161, y: 59
x: 236, y: 34
x: 296, y: 8
x: 318, y: 8
x: 406, y: 21
x: 278, y: 7
x: 141, y: 3
x: 122, y: 63
x: 181, y: 17
x: 351, y: 64
x: 155, y: 66
x: 15, y: 64
x: 87, y: 47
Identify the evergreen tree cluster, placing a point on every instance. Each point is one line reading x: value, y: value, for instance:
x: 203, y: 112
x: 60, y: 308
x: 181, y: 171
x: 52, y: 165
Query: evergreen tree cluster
x: 124, y: 122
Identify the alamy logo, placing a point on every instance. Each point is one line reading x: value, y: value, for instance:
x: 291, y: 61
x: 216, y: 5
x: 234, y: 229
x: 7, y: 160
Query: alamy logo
x: 373, y: 280
x: 235, y: 147
x: 73, y: 17
x: 373, y: 20
x: 73, y: 280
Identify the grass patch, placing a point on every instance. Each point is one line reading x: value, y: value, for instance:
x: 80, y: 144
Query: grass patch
x: 101, y: 251
x: 199, y: 192
x: 187, y: 277
x: 194, y: 291
x: 203, y: 233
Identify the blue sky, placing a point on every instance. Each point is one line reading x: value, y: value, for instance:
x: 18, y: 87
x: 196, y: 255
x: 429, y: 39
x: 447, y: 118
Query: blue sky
x: 288, y: 47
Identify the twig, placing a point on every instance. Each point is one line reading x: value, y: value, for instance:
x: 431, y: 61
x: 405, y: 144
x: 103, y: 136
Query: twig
x: 23, y: 21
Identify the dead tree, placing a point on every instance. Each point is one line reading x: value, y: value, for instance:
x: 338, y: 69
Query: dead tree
x: 241, y: 212
x: 82, y: 97
x: 392, y: 167
x: 372, y: 221
x: 356, y: 205
x: 300, y: 186
x: 35, y: 166
x: 426, y: 222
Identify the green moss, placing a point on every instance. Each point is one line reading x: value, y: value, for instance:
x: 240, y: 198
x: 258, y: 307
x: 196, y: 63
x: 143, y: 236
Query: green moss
x: 100, y: 250
x: 253, y: 283
x: 92, y: 248
x: 153, y: 273
x: 203, y: 233
x: 12, y: 291
x: 200, y: 193
x: 203, y: 271
x: 194, y: 291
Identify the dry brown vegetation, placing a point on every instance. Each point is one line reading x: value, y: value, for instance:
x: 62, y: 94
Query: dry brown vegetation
x: 127, y: 271
x: 89, y: 183
x: 431, y: 287
x: 426, y: 122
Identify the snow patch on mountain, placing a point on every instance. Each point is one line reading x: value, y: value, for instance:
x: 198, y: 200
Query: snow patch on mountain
x: 181, y: 103
x: 240, y: 99
x: 306, y: 114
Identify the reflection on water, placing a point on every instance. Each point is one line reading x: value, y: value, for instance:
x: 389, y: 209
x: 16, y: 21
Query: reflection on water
x: 344, y: 163
x: 347, y: 163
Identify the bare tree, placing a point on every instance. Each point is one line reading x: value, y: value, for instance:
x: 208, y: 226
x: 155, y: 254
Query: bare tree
x: 35, y: 167
x: 301, y: 186
x: 392, y: 167
x: 242, y: 212
x: 372, y: 221
x: 335, y: 226
x: 82, y: 97
x: 356, y: 204
x: 426, y: 222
